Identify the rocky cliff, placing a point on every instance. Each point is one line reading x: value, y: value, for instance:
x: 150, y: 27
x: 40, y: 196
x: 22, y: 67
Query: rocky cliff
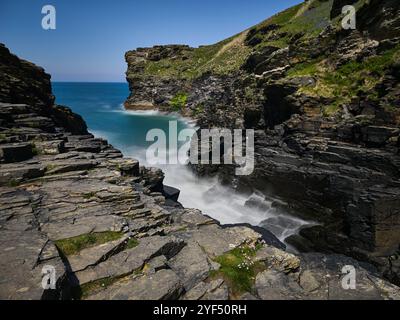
x: 106, y: 228
x: 324, y: 102
x: 72, y: 207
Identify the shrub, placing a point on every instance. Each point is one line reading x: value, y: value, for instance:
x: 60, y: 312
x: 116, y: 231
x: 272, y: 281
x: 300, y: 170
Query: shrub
x: 178, y: 102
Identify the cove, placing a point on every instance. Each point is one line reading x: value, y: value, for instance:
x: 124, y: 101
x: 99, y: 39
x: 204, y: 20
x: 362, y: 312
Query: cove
x: 100, y: 104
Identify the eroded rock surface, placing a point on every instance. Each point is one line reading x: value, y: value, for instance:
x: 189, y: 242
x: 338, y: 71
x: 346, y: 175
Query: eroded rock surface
x: 324, y: 104
x: 72, y: 205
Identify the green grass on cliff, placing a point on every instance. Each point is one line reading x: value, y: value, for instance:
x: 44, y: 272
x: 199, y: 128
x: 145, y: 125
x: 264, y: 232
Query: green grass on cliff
x: 306, y: 18
x: 342, y: 83
x: 229, y: 55
x: 131, y: 243
x: 82, y: 292
x: 179, y: 101
x: 238, y: 269
x: 296, y: 27
x: 346, y: 81
x: 222, y: 58
x: 74, y: 245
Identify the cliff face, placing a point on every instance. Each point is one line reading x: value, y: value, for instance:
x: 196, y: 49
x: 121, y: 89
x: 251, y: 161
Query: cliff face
x: 22, y: 82
x: 325, y: 106
x: 109, y: 229
x: 74, y: 210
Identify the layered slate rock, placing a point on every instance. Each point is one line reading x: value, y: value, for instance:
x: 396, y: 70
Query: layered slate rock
x: 324, y: 104
x: 101, y: 223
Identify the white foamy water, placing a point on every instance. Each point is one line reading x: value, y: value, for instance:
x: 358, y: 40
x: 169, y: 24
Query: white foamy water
x: 219, y: 202
x: 101, y: 107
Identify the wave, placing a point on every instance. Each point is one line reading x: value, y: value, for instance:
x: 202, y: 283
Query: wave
x: 220, y: 203
x: 207, y: 194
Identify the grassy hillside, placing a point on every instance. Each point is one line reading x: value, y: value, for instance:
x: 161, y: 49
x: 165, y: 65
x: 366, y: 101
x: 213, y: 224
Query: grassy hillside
x: 314, y: 51
x: 223, y: 57
x: 229, y: 55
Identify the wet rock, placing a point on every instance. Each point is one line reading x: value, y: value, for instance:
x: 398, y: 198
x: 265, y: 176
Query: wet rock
x: 171, y: 193
x: 378, y: 136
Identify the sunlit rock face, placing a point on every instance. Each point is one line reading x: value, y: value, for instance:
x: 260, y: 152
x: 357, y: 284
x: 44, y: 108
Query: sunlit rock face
x: 324, y: 104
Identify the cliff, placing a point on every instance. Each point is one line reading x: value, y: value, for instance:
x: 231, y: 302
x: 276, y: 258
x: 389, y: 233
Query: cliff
x: 324, y: 102
x: 107, y: 228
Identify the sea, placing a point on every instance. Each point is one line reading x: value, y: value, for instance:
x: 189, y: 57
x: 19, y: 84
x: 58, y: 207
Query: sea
x: 101, y: 106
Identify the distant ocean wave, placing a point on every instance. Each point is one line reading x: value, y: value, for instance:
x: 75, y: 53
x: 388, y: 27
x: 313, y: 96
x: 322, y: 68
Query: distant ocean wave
x: 141, y: 112
x: 101, y: 134
x: 191, y: 123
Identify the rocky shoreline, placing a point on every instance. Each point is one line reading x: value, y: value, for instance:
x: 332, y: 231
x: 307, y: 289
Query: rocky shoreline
x: 111, y: 230
x: 324, y: 104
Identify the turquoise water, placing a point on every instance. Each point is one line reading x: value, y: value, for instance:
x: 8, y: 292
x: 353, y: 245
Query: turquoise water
x: 101, y: 105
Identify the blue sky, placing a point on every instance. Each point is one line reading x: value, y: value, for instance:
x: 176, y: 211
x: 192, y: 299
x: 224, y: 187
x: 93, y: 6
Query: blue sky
x: 92, y: 36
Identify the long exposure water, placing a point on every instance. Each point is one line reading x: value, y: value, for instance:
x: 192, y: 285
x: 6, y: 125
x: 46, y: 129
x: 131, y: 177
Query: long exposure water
x: 100, y: 104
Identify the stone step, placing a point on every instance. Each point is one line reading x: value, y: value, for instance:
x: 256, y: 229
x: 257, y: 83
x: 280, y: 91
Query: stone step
x: 15, y: 152
x: 94, y: 255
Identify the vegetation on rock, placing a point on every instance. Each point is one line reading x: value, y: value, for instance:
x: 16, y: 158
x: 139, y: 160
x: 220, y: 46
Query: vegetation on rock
x: 179, y: 101
x: 238, y: 269
x: 74, y: 245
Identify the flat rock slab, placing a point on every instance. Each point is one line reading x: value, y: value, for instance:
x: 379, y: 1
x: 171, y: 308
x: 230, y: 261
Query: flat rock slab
x: 278, y: 259
x: 92, y: 256
x: 192, y: 265
x: 10, y: 174
x: 274, y: 285
x: 21, y: 265
x: 194, y: 217
x: 163, y: 285
x: 213, y: 290
x: 68, y: 166
x: 323, y: 274
x: 131, y: 260
x: 217, y: 241
x: 74, y: 227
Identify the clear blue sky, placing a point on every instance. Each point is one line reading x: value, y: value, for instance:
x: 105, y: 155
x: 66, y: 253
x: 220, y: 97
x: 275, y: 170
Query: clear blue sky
x: 92, y: 36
